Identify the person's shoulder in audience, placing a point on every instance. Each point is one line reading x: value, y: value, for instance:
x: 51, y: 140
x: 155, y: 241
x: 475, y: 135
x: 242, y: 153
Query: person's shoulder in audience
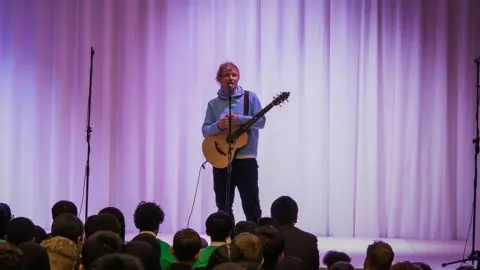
x: 10, y: 257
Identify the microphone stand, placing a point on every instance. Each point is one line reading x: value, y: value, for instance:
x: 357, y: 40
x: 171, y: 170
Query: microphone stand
x: 475, y: 254
x: 89, y: 132
x: 229, y: 139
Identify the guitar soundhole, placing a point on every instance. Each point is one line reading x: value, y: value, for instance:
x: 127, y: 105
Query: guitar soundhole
x: 219, y: 150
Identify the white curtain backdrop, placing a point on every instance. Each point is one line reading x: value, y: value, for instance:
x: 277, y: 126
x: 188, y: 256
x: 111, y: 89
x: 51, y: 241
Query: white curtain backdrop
x: 375, y: 141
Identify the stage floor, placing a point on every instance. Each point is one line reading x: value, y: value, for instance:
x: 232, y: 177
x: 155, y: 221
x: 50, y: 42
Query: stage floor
x: 433, y: 253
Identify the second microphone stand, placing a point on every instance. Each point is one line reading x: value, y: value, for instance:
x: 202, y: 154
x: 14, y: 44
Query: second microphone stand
x: 475, y: 254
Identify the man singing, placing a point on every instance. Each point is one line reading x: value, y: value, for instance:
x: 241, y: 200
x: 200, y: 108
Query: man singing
x: 244, y: 164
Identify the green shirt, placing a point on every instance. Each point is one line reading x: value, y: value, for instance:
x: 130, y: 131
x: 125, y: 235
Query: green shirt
x: 204, y: 257
x: 166, y: 257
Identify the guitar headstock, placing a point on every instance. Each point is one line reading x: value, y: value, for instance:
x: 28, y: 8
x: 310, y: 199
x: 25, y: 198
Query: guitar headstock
x: 281, y: 98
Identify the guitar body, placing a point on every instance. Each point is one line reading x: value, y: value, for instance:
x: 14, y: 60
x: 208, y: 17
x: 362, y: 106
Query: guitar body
x: 215, y: 148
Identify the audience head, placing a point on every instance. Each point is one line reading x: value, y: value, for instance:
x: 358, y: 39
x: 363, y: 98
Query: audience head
x: 99, y: 244
x: 204, y: 242
x: 40, y: 234
x: 148, y: 216
x: 251, y: 247
x: 265, y: 221
x: 152, y: 242
x: 332, y: 256
x: 342, y: 265
x: 223, y: 254
x: 404, y: 266
x: 423, y: 266
x: 379, y: 256
x: 229, y: 266
x: 117, y: 261
x: 186, y: 246
x: 144, y: 252
x: 68, y: 226
x: 64, y: 207
x: 102, y: 222
x: 245, y: 227
x: 290, y: 262
x: 118, y: 215
x: 284, y: 210
x: 7, y: 209
x: 10, y: 257
x: 273, y: 244
x: 35, y: 257
x: 218, y: 226
x: 4, y: 219
x: 20, y: 230
x: 466, y: 267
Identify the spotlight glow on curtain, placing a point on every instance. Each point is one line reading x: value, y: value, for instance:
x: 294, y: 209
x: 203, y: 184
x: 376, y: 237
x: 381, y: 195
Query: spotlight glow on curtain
x: 375, y: 141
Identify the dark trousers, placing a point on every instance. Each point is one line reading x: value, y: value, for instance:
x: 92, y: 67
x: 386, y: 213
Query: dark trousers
x: 245, y: 178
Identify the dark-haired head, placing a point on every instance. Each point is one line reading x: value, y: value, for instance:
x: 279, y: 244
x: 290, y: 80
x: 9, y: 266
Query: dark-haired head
x: 102, y: 222
x: 118, y: 215
x: 218, y: 226
x: 20, y: 230
x: 152, y: 241
x: 144, y: 252
x: 273, y: 244
x: 64, y: 207
x: 117, y: 261
x: 148, y: 216
x: 10, y: 257
x: 284, y: 210
x: 40, y: 234
x: 342, y: 265
x: 223, y: 254
x: 99, y: 244
x: 379, y: 256
x: 7, y: 209
x: 35, y: 257
x: 422, y: 266
x: 404, y: 266
x: 245, y: 227
x: 229, y: 266
x: 332, y: 256
x: 265, y: 221
x: 4, y: 219
x: 68, y: 226
x: 186, y: 246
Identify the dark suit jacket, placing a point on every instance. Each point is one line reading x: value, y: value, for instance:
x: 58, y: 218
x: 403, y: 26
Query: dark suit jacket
x: 302, y: 245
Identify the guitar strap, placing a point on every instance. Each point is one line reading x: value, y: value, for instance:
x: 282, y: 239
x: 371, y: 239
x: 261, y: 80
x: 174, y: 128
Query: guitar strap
x: 246, y: 102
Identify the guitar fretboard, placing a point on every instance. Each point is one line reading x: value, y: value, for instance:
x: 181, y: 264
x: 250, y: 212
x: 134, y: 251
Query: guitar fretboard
x: 252, y: 121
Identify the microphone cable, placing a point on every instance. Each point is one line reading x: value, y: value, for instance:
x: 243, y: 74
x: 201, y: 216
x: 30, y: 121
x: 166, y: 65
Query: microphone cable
x: 196, y: 190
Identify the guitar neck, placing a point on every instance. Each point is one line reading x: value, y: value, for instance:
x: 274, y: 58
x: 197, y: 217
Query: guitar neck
x: 252, y: 121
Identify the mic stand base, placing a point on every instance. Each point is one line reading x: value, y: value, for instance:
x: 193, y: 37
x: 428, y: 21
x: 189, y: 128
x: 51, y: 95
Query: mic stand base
x: 475, y: 256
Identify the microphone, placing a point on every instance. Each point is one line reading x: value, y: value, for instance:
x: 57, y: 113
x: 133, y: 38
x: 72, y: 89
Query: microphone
x: 230, y: 89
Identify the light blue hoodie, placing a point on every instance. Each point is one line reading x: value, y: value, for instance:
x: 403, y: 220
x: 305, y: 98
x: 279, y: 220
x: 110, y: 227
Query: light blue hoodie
x: 218, y: 107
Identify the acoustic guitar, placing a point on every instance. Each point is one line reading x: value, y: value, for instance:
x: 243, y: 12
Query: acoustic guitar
x: 215, y: 147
